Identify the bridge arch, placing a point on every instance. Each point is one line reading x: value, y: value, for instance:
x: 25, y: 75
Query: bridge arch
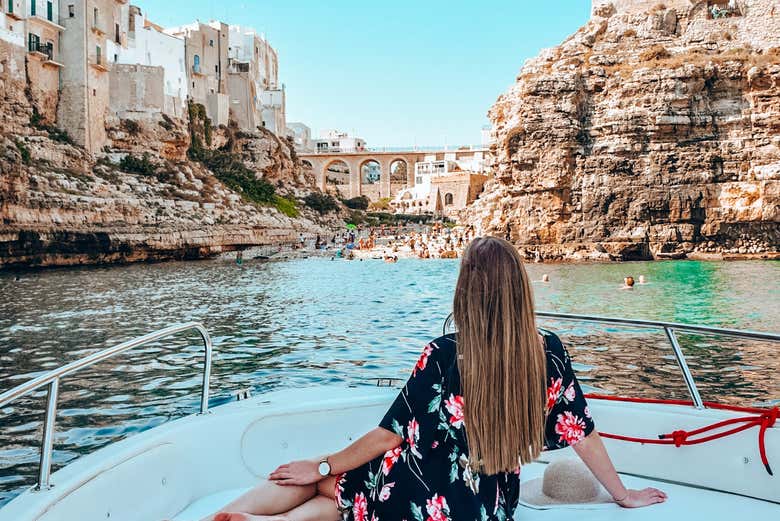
x: 337, y: 176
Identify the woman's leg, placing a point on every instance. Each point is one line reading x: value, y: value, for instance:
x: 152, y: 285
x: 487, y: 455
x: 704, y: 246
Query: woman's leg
x: 320, y: 508
x: 268, y: 498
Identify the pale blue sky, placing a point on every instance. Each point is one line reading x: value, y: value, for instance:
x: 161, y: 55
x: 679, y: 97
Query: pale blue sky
x: 396, y: 73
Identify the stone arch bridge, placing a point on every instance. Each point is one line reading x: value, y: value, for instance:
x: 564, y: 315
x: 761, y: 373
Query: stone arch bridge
x: 321, y: 162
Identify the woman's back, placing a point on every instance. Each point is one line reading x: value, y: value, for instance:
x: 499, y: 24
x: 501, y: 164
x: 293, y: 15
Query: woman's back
x: 429, y: 475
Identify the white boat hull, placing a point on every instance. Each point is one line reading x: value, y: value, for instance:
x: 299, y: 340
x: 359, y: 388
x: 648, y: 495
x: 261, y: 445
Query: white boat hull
x: 194, y: 465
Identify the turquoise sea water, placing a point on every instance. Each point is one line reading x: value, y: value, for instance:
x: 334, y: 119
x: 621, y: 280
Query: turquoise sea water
x: 317, y: 321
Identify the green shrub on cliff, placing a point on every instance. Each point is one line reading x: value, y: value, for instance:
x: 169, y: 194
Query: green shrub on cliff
x: 321, y: 203
x: 234, y: 173
x: 287, y: 206
x: 131, y: 126
x: 23, y: 151
x: 137, y: 165
x: 357, y: 203
x: 226, y: 166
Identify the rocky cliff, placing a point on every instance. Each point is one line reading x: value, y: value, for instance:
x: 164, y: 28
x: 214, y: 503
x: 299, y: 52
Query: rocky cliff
x: 651, y: 132
x: 145, y: 197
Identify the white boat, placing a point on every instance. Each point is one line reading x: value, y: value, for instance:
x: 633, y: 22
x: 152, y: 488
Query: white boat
x: 190, y: 467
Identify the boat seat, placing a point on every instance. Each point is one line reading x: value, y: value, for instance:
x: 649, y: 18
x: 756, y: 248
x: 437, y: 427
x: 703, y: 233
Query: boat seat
x: 684, y: 503
x: 208, y: 504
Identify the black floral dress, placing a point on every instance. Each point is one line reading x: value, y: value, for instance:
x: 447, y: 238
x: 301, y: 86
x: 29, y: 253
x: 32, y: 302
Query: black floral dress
x: 427, y: 478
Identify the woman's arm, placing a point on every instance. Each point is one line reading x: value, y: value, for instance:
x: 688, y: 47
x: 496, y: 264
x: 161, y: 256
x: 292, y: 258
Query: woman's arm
x: 591, y: 450
x: 370, y: 446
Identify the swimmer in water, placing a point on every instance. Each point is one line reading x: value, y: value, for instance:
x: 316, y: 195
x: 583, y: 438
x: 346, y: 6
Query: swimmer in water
x: 642, y: 279
x: 628, y: 283
x: 545, y: 278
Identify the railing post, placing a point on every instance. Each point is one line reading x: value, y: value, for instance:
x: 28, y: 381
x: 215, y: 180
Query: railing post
x: 204, y: 394
x: 47, y: 445
x: 692, y: 389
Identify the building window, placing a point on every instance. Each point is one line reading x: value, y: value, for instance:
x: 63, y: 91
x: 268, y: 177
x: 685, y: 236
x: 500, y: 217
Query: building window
x: 196, y: 64
x: 216, y: 69
x: 11, y: 6
x: 33, y: 42
x: 32, y: 7
x: 71, y: 10
x: 211, y: 43
x: 117, y: 38
x: 98, y: 55
x: 448, y: 200
x: 116, y: 58
x: 95, y: 17
x: 50, y: 11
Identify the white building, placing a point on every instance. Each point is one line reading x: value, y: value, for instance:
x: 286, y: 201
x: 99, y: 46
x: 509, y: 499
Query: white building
x: 442, y: 186
x: 335, y: 141
x: 256, y: 96
x: 12, y: 18
x: 301, y: 136
x: 149, y: 45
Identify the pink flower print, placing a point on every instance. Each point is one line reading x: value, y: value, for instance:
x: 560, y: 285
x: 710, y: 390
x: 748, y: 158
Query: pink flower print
x: 570, y: 394
x: 570, y: 427
x: 454, y: 405
x: 389, y: 459
x: 553, y: 392
x: 384, y: 494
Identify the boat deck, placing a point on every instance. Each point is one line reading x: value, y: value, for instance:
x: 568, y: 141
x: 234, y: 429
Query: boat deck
x: 684, y: 503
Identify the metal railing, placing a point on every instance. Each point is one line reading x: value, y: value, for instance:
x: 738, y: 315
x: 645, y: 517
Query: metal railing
x: 669, y: 328
x: 42, y: 48
x: 52, y: 380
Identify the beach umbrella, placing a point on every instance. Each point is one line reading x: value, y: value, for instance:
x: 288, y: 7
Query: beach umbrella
x: 351, y: 226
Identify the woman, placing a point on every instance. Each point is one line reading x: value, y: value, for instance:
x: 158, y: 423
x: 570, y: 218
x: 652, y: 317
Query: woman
x: 498, y: 383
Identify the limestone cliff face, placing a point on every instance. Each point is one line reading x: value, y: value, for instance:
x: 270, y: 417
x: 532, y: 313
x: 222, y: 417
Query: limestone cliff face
x: 650, y: 132
x: 61, y: 206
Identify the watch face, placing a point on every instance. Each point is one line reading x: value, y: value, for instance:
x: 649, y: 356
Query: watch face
x: 324, y: 468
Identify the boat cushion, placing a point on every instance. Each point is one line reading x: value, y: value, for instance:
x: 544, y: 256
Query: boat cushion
x: 208, y: 505
x: 684, y: 503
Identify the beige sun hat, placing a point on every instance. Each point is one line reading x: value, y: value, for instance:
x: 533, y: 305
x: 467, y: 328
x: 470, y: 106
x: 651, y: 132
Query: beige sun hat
x: 567, y: 483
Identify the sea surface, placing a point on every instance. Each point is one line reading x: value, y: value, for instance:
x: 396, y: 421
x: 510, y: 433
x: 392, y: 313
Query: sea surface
x: 322, y: 322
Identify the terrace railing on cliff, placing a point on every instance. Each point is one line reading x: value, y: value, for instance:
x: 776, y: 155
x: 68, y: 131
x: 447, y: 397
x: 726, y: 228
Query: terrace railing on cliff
x: 52, y: 381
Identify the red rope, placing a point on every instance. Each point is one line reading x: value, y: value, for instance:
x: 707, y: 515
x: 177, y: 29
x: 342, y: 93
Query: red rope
x: 762, y: 418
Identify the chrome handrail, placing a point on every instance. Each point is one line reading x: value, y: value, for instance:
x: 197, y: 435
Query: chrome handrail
x: 52, y: 379
x: 669, y: 329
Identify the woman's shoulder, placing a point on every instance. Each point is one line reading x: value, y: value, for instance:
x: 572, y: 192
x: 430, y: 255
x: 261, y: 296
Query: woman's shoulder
x: 443, y: 348
x: 552, y: 344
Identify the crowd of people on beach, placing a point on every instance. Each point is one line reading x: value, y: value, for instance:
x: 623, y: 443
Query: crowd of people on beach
x: 434, y: 241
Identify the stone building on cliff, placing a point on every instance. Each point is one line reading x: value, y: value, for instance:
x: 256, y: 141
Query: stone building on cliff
x: 651, y: 132
x: 148, y: 76
x: 256, y: 97
x: 94, y: 34
x: 30, y: 34
x: 206, y: 58
x: 83, y: 63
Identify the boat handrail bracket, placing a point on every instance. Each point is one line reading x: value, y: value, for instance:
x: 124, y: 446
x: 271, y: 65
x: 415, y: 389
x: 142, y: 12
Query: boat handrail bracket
x: 52, y: 379
x: 669, y: 328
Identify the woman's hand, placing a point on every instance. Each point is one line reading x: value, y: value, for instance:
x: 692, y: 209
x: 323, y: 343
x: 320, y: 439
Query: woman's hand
x: 643, y: 498
x: 297, y: 473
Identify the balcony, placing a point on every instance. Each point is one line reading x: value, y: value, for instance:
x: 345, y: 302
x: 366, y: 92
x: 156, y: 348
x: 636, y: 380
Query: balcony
x: 11, y: 14
x: 45, y: 22
x: 43, y: 51
x: 99, y: 64
x: 197, y: 71
x: 98, y: 31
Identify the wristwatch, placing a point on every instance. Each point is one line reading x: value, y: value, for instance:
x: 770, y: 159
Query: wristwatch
x: 324, y: 467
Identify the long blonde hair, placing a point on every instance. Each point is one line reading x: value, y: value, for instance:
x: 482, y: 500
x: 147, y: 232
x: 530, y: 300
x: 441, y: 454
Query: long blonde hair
x: 501, y: 360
